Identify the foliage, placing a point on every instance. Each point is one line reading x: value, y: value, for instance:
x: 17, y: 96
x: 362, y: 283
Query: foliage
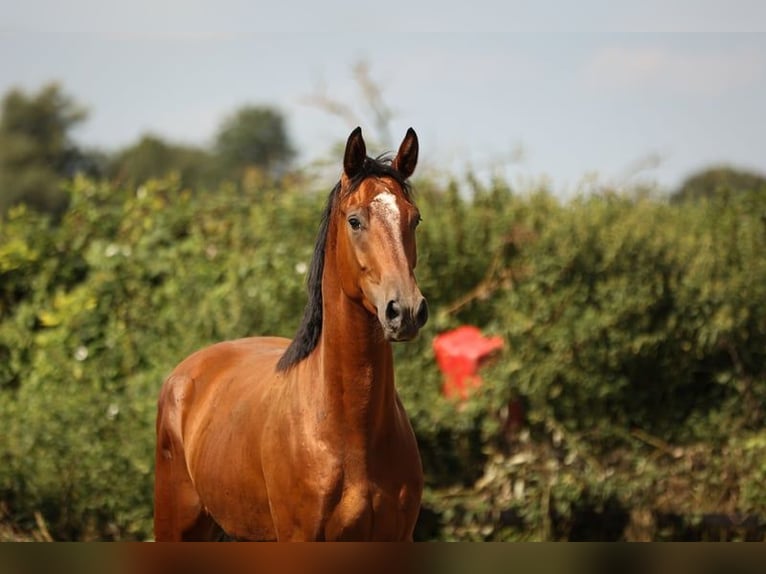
x: 151, y: 157
x: 36, y: 148
x: 38, y: 154
x: 635, y: 332
x: 254, y: 137
x: 251, y: 146
x: 714, y: 180
x: 634, y: 328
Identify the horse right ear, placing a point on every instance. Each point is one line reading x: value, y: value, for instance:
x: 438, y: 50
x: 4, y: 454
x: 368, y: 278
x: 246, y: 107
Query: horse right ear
x: 356, y: 153
x: 407, y: 157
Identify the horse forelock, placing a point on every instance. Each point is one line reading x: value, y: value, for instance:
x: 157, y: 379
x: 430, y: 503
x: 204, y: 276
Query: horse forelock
x: 378, y: 167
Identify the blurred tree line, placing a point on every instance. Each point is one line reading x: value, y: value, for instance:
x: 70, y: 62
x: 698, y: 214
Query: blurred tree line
x: 628, y: 403
x: 38, y: 153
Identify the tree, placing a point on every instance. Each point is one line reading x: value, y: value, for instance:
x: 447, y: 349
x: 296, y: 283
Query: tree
x: 254, y: 137
x: 36, y: 149
x: 712, y: 181
x: 152, y: 157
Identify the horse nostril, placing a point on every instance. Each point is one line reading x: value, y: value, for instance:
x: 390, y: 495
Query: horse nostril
x: 422, y: 315
x: 393, y: 311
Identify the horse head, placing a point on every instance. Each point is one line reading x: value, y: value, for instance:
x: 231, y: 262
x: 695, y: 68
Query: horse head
x: 376, y: 249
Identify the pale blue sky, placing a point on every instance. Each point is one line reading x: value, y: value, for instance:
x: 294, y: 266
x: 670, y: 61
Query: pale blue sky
x: 672, y: 87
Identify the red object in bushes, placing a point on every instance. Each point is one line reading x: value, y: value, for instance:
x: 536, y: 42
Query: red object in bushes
x: 459, y: 354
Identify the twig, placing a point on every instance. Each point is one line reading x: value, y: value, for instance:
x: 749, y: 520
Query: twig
x: 573, y: 444
x: 319, y: 99
x: 490, y: 283
x: 373, y: 94
x: 657, y: 443
x: 42, y: 527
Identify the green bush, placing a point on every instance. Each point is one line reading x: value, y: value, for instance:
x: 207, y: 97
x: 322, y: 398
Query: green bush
x: 631, y: 325
x: 635, y: 333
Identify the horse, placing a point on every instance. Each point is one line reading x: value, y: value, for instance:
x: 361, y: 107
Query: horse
x: 264, y: 438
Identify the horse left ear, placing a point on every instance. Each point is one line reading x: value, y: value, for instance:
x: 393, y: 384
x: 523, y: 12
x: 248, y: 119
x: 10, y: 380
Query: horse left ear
x: 407, y: 157
x: 356, y: 152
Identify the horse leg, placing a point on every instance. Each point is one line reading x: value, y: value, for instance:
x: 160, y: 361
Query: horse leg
x: 178, y: 510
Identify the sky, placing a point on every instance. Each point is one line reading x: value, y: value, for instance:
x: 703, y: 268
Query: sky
x: 573, y: 92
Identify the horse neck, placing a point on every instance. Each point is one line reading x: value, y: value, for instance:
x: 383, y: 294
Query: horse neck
x: 356, y: 362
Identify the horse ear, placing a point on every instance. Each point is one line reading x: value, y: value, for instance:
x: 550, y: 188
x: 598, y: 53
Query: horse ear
x: 407, y: 157
x: 355, y: 154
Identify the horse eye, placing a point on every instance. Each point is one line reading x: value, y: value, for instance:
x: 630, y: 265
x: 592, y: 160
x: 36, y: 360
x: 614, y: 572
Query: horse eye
x: 354, y: 222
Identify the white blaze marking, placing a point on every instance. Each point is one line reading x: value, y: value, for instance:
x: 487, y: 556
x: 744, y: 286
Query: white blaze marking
x: 386, y: 202
x: 384, y: 205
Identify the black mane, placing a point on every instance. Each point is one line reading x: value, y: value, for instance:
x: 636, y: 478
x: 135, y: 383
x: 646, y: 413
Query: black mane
x: 307, y: 336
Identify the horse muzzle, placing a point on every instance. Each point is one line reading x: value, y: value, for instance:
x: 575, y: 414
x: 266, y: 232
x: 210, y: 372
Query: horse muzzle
x: 402, y: 321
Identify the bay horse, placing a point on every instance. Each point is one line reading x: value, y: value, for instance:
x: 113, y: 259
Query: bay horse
x: 264, y: 438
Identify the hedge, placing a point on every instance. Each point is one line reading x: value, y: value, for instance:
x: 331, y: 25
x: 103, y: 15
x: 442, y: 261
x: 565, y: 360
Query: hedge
x: 628, y: 402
